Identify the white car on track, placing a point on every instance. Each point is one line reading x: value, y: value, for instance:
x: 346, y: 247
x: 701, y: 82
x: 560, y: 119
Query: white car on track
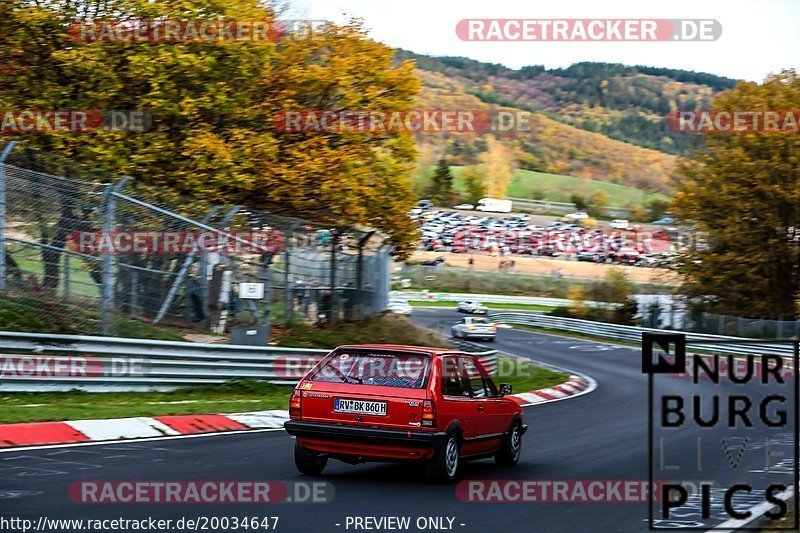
x: 578, y: 215
x: 474, y: 327
x: 472, y: 307
x: 399, y: 307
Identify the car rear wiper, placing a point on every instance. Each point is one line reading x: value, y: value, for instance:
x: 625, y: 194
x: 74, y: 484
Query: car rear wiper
x: 346, y: 378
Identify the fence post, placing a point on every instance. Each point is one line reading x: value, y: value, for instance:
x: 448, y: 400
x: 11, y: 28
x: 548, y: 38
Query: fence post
x: 331, y: 313
x: 134, y: 291
x: 109, y: 214
x: 288, y: 299
x: 266, y: 261
x: 3, y: 157
x: 173, y: 290
x: 67, y: 276
x: 360, y: 296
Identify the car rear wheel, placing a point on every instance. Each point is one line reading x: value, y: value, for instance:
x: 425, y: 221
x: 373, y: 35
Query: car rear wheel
x: 443, y: 468
x: 307, y: 462
x: 510, y: 450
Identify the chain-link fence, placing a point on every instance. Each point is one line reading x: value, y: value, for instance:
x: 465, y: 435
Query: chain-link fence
x: 83, y: 251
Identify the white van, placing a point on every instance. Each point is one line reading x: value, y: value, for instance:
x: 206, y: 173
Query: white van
x: 494, y: 205
x: 619, y: 224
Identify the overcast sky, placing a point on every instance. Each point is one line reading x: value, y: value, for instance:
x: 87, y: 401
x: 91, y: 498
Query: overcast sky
x: 758, y: 36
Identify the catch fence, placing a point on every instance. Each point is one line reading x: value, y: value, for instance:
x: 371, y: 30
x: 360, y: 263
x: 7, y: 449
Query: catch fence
x: 85, y: 251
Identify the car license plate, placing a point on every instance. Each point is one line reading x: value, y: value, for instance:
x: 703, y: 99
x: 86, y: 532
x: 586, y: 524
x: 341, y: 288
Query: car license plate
x: 362, y: 407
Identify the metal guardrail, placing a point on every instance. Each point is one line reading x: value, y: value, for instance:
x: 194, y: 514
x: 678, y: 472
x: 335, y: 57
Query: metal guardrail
x: 633, y: 334
x: 546, y: 205
x: 418, y: 296
x: 103, y: 364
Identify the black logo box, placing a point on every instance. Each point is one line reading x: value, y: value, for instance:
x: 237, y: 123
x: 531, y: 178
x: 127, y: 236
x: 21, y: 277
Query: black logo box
x: 675, y: 345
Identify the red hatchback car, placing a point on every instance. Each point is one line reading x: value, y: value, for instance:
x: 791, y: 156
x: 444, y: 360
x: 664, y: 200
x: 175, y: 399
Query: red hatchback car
x: 402, y: 403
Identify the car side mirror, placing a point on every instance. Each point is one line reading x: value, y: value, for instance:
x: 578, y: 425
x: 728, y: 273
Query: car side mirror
x: 505, y: 389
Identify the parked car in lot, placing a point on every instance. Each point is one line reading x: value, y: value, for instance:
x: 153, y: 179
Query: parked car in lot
x: 472, y: 306
x: 465, y: 207
x: 471, y: 327
x: 400, y: 307
x: 393, y: 403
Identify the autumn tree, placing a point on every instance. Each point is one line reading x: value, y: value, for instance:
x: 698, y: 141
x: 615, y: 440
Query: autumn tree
x: 744, y: 191
x: 579, y: 200
x: 497, y: 165
x: 213, y: 107
x: 598, y: 203
x: 442, y: 183
x: 474, y: 184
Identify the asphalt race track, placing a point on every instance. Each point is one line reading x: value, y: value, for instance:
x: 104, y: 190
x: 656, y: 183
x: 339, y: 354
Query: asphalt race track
x: 598, y: 436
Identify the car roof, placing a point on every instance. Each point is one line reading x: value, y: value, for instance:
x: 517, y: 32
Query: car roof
x: 402, y: 347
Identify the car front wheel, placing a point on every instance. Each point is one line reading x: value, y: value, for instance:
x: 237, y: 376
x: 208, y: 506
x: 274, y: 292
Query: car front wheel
x: 307, y: 462
x: 510, y: 450
x: 443, y: 468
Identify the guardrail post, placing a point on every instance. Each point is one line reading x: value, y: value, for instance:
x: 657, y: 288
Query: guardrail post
x: 3, y: 157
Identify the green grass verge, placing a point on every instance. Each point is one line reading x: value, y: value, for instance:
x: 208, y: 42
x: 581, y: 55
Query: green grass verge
x: 492, y: 307
x: 524, y: 377
x: 38, y: 314
x: 232, y: 397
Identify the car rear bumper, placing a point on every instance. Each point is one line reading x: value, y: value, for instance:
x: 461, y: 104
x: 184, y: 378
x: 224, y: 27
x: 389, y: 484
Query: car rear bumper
x: 367, y: 435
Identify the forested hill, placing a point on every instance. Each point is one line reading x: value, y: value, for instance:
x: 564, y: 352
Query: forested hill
x: 626, y: 103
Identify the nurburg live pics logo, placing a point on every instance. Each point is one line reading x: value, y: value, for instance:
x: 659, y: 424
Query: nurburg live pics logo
x: 727, y: 438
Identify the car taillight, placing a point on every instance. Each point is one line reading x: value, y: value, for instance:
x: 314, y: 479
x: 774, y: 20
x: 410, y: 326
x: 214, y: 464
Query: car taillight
x: 295, y: 410
x: 428, y: 414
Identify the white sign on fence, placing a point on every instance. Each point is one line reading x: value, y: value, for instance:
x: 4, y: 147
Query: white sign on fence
x: 251, y: 291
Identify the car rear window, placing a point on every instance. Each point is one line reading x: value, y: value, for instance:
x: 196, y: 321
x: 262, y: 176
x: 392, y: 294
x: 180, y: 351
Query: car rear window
x: 405, y: 371
x: 480, y: 321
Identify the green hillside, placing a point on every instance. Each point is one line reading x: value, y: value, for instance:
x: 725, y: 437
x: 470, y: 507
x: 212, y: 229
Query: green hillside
x: 559, y: 188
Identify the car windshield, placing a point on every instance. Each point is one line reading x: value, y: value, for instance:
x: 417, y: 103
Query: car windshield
x: 406, y: 371
x: 480, y: 321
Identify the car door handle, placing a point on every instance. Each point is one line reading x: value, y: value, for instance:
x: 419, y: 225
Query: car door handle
x: 480, y: 408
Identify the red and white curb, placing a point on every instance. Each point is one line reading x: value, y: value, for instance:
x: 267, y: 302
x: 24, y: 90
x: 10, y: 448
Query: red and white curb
x: 575, y: 386
x: 77, y: 431
x: 114, y: 429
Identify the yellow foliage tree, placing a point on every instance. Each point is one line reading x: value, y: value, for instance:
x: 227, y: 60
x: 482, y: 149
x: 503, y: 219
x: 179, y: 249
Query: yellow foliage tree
x: 497, y: 165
